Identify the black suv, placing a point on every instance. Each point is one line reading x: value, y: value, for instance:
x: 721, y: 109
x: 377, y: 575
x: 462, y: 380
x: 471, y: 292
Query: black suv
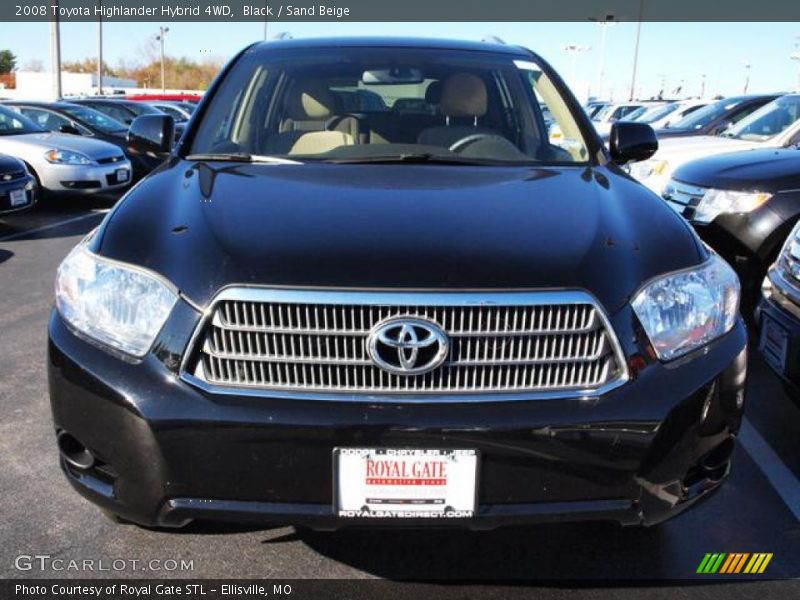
x: 743, y: 204
x: 414, y: 310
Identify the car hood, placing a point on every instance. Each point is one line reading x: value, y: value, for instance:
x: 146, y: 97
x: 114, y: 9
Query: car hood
x: 670, y: 132
x: 765, y: 170
x: 41, y: 142
x: 680, y: 150
x: 9, y: 164
x: 207, y: 226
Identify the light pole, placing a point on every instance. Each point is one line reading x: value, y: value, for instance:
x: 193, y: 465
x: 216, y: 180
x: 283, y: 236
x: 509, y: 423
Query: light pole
x: 574, y: 50
x: 795, y: 56
x: 99, y: 50
x: 746, y: 76
x: 636, y: 49
x: 160, y: 37
x: 702, y: 85
x: 55, y: 51
x: 604, y: 21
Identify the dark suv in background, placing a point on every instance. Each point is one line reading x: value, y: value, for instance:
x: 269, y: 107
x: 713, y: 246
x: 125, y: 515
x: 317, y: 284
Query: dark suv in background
x: 715, y: 118
x: 420, y: 311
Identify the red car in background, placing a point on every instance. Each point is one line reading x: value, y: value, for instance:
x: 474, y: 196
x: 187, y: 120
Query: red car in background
x: 195, y: 98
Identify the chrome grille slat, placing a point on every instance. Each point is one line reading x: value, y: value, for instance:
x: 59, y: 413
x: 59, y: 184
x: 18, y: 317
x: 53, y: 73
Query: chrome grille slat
x: 683, y: 197
x: 310, y: 341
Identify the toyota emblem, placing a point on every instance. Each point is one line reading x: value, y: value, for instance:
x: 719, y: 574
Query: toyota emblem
x: 407, y: 345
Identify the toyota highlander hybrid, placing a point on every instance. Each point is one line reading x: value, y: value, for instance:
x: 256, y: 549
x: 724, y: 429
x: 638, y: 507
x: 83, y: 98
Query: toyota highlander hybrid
x: 418, y: 311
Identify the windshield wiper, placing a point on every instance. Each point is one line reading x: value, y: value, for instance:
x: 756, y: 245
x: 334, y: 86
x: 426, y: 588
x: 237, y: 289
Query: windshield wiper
x: 421, y: 157
x: 243, y: 157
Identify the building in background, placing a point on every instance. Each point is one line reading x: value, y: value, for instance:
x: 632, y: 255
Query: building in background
x: 38, y: 85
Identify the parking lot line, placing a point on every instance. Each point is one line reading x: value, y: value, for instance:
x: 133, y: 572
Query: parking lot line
x: 27, y: 232
x: 778, y: 474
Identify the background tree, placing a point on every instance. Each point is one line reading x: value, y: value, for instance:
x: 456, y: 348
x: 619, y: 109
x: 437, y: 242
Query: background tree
x: 8, y: 62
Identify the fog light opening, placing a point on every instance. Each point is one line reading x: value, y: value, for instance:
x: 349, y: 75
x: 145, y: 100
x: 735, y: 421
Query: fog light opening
x: 74, y: 453
x: 719, y: 457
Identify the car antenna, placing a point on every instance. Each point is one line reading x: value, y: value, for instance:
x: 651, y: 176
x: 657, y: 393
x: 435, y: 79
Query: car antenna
x: 493, y: 39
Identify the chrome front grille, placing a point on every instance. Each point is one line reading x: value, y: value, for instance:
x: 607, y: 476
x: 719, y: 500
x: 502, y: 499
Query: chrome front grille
x: 12, y: 175
x: 683, y: 198
x: 309, y: 341
x: 110, y: 159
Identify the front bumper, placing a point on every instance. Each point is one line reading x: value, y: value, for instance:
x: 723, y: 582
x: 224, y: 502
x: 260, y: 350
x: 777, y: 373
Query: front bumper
x: 88, y: 179
x: 169, y: 452
x: 27, y: 184
x: 778, y: 318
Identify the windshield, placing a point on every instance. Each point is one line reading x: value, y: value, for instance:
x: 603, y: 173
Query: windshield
x: 637, y: 114
x: 93, y: 118
x: 768, y: 121
x: 13, y: 123
x: 141, y: 108
x: 659, y: 112
x: 372, y: 104
x: 705, y: 116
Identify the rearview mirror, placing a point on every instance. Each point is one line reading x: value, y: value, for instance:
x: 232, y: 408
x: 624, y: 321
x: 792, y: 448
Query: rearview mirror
x: 631, y: 142
x: 393, y: 76
x: 152, y: 134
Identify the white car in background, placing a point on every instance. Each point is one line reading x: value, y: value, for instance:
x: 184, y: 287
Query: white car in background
x: 612, y: 113
x: 774, y: 125
x: 66, y: 164
x: 672, y: 113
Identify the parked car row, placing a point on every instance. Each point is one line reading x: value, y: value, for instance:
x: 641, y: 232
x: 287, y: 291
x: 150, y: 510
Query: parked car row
x: 76, y: 147
x: 732, y: 170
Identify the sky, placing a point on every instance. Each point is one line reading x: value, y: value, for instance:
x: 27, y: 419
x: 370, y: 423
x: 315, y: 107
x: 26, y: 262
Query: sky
x: 675, y: 53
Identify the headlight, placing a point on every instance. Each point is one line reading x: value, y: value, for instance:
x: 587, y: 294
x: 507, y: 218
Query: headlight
x: 649, y: 168
x: 788, y: 262
x: 118, y: 305
x: 716, y: 202
x: 66, y: 157
x: 685, y: 310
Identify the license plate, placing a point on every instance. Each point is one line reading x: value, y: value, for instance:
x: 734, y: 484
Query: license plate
x: 18, y: 197
x: 405, y: 483
x: 774, y: 343
x: 122, y: 175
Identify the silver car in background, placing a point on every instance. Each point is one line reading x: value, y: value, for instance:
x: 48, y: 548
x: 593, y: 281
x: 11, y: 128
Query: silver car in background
x: 63, y: 164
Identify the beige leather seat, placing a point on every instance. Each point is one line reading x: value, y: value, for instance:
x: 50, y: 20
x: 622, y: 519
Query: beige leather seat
x: 310, y: 125
x: 463, y: 102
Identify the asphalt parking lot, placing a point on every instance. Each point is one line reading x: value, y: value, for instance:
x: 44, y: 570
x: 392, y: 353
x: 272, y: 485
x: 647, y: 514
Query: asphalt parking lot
x: 758, y: 510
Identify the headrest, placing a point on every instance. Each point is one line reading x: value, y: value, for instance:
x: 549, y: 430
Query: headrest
x: 463, y: 95
x: 310, y: 99
x: 433, y: 93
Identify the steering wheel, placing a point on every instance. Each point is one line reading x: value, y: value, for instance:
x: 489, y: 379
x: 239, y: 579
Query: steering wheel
x: 469, y: 140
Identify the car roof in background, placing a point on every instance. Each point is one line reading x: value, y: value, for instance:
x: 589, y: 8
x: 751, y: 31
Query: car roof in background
x: 41, y: 103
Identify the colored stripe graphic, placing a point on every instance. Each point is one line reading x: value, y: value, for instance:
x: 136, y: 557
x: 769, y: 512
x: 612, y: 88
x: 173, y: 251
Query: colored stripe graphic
x: 740, y: 564
x: 723, y: 563
x: 711, y: 563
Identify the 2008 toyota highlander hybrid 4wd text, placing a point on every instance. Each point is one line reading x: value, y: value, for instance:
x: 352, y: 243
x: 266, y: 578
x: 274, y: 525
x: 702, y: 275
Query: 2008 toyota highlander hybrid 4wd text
x: 367, y: 289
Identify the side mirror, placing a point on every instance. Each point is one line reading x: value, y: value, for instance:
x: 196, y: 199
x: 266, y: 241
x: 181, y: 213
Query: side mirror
x: 70, y: 129
x: 151, y: 134
x: 631, y: 142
